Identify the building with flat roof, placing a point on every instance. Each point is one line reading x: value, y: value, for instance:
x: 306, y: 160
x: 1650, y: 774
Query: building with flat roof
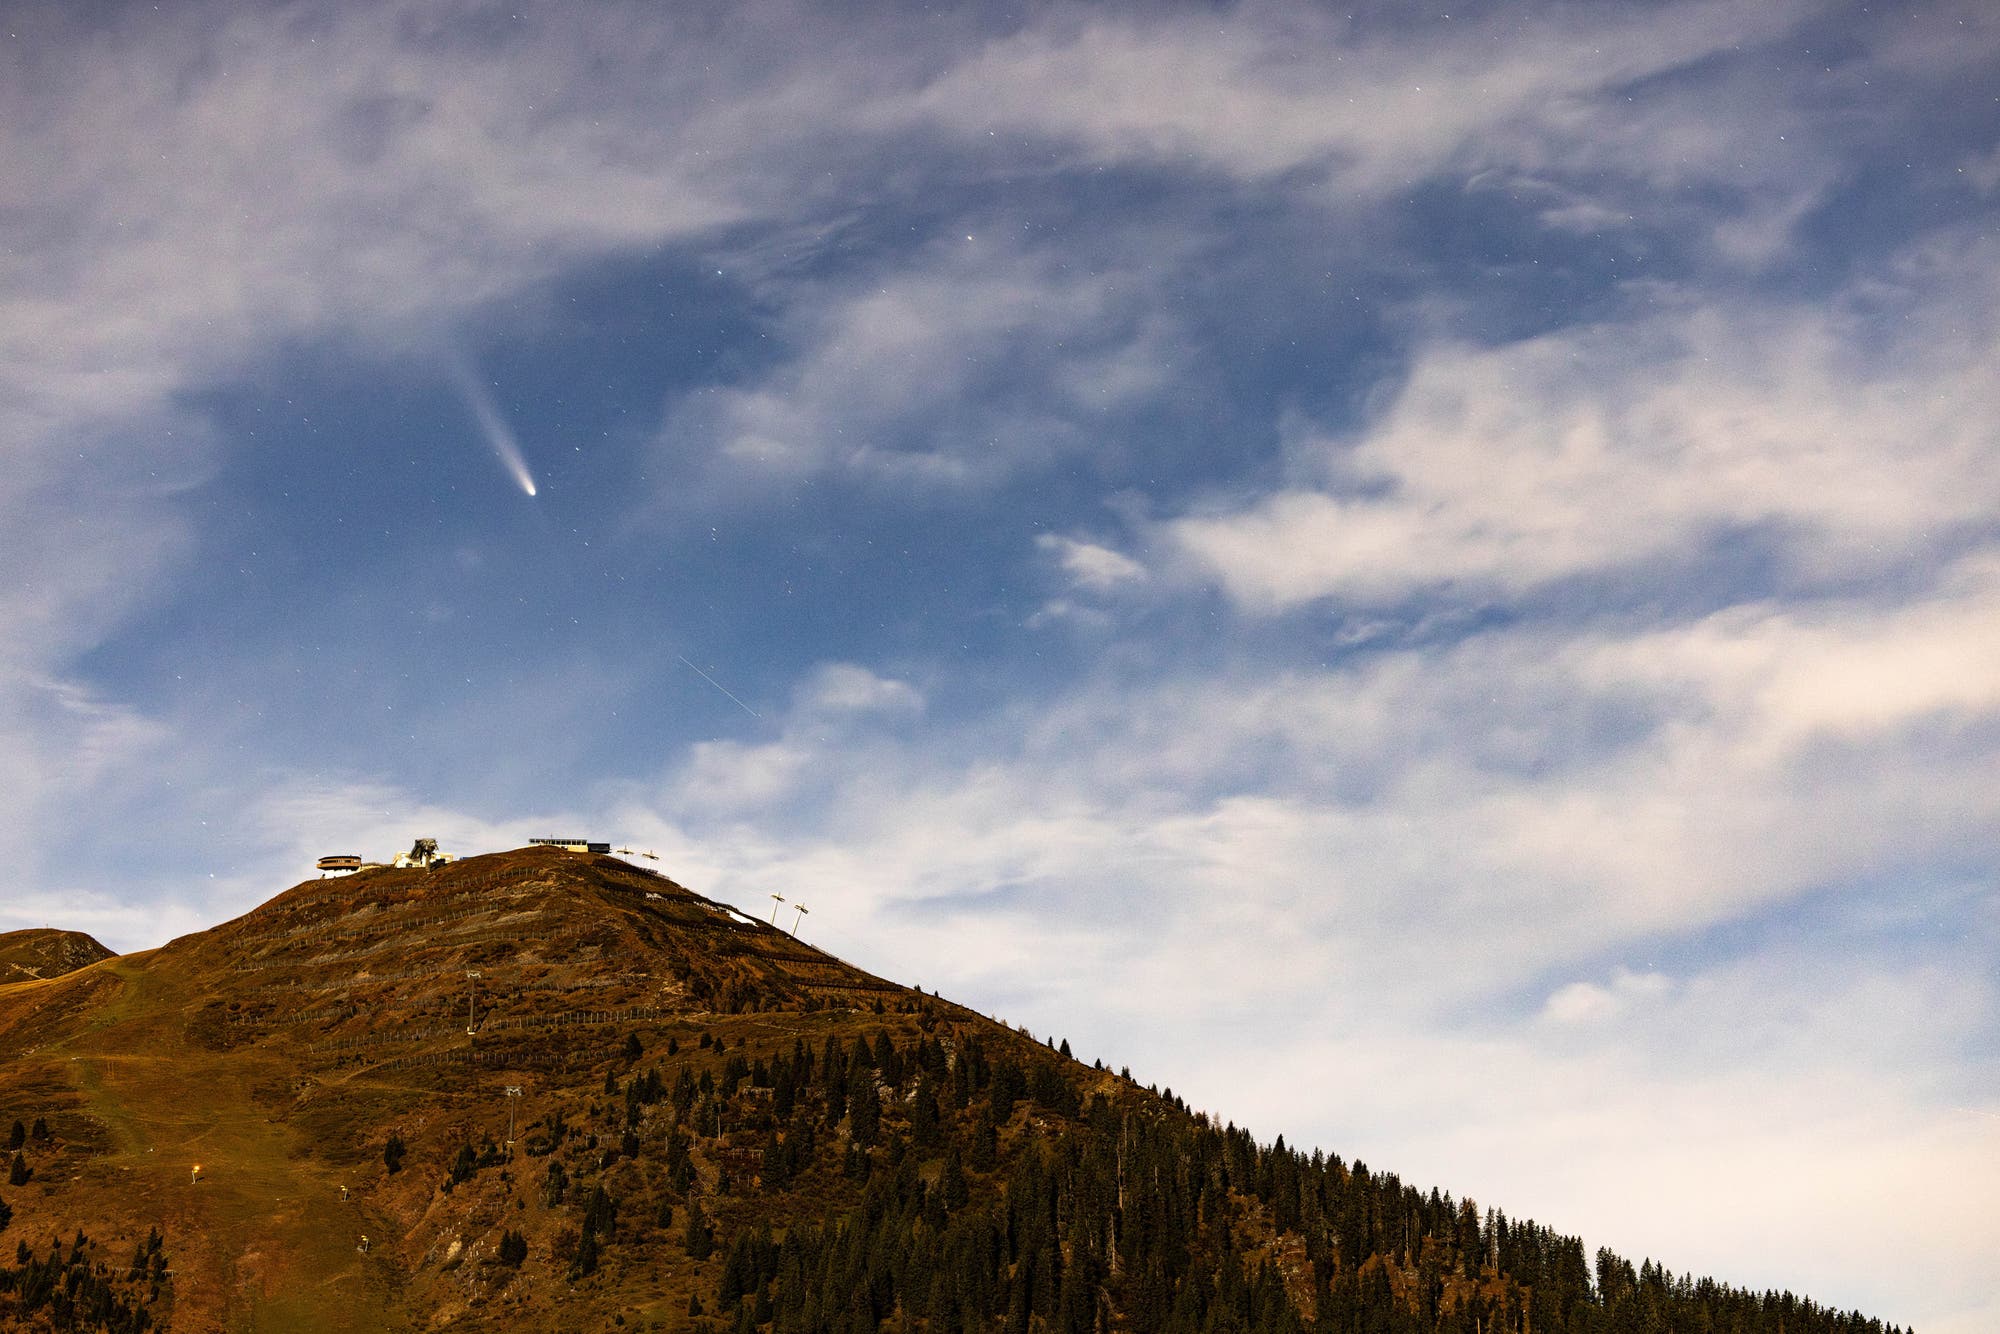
x: 569, y: 844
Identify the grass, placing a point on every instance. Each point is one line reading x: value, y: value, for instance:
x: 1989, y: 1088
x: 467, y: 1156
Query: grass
x: 265, y: 1050
x: 262, y: 1234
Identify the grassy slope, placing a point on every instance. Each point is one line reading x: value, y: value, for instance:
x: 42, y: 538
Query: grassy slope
x: 261, y: 1239
x: 148, y: 1064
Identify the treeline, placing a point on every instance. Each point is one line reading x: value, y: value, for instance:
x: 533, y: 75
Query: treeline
x: 75, y: 1290
x: 953, y: 1183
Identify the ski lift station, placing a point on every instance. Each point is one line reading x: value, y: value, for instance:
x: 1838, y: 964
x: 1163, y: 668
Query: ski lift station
x: 570, y: 844
x: 423, y: 853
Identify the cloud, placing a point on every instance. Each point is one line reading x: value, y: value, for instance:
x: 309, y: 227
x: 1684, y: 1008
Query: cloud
x: 829, y: 707
x: 65, y: 748
x: 956, y: 367
x: 976, y: 354
x: 1782, y: 676
x: 1592, y: 1003
x: 1435, y: 825
x: 1669, y: 116
x: 847, y: 688
x: 1267, y: 92
x: 1590, y: 451
x: 1090, y: 566
x: 314, y: 171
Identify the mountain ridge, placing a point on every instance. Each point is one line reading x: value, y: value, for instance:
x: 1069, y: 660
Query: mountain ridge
x: 537, y: 1089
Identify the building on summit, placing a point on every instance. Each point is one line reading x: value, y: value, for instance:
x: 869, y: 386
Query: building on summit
x: 424, y: 852
x: 570, y: 844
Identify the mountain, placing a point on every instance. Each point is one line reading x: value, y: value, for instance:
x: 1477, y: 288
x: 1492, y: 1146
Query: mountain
x: 42, y: 952
x: 547, y: 1090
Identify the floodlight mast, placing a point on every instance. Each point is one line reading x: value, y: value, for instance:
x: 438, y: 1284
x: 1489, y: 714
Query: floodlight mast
x: 803, y: 910
x: 776, y: 899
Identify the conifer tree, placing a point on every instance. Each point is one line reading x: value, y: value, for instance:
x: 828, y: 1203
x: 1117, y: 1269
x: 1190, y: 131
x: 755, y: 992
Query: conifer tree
x: 699, y: 1239
x: 513, y: 1248
x: 865, y: 1113
x: 585, y: 1263
x: 953, y: 1189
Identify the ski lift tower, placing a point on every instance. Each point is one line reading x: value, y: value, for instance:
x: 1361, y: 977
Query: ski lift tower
x: 513, y: 1094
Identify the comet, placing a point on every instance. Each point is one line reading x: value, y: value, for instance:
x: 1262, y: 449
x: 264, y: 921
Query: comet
x: 499, y: 435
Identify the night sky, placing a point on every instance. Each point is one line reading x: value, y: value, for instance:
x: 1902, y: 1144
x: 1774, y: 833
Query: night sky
x: 1429, y: 580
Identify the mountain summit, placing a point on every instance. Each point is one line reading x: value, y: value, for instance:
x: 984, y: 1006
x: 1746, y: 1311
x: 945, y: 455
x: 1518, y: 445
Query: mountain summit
x: 43, y: 952
x: 546, y: 1089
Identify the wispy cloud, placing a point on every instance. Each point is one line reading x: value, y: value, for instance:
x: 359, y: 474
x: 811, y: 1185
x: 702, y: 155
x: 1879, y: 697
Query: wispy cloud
x: 1268, y: 91
x: 1089, y: 565
x: 1589, y: 451
x: 959, y: 366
